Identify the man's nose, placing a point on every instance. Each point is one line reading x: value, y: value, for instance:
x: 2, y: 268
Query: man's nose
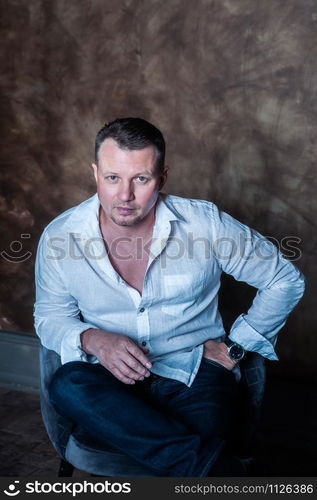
x: 126, y: 191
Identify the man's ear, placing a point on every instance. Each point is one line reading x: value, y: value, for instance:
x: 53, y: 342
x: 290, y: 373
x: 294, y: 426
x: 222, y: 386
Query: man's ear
x: 95, y: 170
x: 163, y: 177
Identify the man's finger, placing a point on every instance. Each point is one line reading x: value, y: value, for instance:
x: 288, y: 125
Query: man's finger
x: 135, y: 366
x: 139, y: 355
x: 120, y: 376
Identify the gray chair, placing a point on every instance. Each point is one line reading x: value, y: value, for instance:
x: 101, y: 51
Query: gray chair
x: 77, y: 449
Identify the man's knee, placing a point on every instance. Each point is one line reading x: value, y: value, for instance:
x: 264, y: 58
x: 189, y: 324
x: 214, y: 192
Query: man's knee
x: 63, y: 382
x: 78, y: 379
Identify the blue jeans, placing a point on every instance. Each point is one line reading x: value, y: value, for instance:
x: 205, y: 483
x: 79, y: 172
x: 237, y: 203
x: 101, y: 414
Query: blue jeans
x: 170, y: 428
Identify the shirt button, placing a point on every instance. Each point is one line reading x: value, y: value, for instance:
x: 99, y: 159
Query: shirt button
x: 142, y: 310
x: 143, y: 343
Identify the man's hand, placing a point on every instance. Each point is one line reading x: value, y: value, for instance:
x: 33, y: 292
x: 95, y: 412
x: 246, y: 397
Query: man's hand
x: 218, y: 351
x: 118, y: 353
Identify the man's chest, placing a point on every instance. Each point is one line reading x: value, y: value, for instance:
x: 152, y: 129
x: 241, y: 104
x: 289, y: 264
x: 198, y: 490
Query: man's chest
x: 130, y: 263
x: 131, y: 269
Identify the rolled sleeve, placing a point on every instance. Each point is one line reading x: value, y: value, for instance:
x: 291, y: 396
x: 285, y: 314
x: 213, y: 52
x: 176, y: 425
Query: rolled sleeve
x: 56, y: 312
x: 249, y: 257
x: 251, y: 340
x: 71, y: 349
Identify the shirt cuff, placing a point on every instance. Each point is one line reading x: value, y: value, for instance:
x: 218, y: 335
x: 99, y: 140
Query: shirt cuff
x: 71, y: 349
x: 251, y: 340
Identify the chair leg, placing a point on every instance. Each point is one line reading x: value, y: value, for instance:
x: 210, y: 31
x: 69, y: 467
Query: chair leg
x: 65, y: 469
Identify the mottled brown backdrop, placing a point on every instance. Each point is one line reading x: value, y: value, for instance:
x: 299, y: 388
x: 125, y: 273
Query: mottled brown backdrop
x: 232, y: 84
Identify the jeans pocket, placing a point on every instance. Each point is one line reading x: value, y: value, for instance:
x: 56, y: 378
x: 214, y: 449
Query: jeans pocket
x: 215, y: 363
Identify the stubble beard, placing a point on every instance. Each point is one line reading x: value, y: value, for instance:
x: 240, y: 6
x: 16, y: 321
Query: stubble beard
x: 127, y: 223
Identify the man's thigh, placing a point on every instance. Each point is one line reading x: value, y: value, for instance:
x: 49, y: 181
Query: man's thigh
x: 208, y: 407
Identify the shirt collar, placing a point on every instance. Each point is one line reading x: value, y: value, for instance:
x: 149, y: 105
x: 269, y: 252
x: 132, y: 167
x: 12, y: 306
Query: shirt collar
x: 85, y: 217
x: 165, y: 212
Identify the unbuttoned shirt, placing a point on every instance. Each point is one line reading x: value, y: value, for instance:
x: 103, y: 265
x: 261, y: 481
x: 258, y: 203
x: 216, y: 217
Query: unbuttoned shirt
x: 193, y: 242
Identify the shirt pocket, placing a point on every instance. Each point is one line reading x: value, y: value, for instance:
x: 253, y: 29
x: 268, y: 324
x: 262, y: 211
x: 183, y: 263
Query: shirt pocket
x: 181, y: 291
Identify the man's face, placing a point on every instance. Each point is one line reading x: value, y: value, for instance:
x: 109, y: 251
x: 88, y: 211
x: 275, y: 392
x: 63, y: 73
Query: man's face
x: 127, y: 182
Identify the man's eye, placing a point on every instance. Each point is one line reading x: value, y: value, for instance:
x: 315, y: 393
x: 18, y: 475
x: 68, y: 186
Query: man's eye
x: 111, y: 178
x: 142, y: 179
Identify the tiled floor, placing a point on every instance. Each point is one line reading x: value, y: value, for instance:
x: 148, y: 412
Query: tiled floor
x: 24, y: 447
x: 287, y: 438
x: 25, y: 450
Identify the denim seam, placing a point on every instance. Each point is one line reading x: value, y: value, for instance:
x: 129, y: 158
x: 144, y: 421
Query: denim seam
x: 212, y: 460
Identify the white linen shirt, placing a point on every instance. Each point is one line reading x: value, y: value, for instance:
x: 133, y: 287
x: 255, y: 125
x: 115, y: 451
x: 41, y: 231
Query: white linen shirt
x: 193, y: 243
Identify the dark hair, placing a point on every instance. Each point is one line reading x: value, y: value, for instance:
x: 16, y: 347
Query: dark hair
x: 131, y: 134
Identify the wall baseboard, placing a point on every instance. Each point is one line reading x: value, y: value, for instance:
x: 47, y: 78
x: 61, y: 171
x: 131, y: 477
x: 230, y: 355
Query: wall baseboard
x: 19, y: 361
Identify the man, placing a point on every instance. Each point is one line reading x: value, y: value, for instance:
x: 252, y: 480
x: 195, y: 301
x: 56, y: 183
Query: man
x: 127, y: 286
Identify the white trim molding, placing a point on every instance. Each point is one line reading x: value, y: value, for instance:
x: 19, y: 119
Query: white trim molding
x: 19, y: 361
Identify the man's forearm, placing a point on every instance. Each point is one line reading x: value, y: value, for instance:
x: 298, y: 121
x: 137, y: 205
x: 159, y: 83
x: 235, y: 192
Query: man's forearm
x: 85, y: 337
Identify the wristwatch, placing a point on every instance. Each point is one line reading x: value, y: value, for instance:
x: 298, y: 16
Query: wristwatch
x: 235, y: 351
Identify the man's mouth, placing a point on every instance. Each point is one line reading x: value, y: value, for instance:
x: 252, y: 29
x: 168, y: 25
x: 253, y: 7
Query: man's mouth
x: 125, y: 210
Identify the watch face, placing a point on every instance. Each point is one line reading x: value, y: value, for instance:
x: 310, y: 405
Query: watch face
x: 236, y: 352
